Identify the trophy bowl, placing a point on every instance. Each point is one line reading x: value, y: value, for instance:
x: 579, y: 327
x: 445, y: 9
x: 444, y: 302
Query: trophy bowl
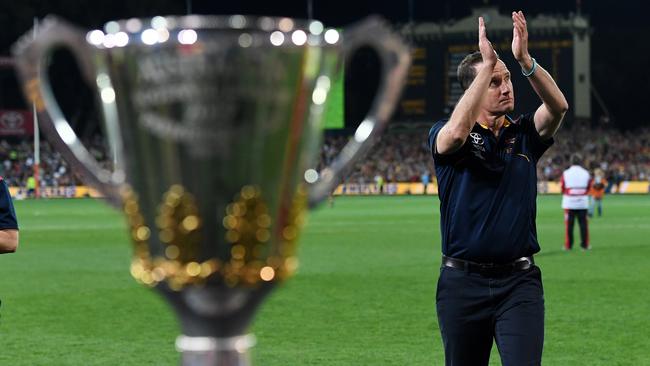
x: 215, y: 127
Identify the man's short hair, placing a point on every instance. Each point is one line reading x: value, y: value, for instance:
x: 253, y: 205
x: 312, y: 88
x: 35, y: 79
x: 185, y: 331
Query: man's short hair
x: 466, y: 71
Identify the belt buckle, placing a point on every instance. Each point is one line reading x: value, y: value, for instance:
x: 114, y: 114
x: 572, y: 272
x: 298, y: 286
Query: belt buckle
x: 488, y: 269
x: 495, y: 269
x: 487, y: 266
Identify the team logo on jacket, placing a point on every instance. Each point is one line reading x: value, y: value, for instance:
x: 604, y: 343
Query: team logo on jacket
x: 477, y: 144
x: 477, y: 139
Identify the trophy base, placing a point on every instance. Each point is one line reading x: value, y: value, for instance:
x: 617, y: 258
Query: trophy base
x: 211, y: 351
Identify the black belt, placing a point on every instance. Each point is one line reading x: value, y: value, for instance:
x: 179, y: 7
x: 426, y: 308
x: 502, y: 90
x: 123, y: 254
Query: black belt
x: 489, y: 269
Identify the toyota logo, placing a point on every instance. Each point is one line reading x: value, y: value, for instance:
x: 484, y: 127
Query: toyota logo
x: 477, y: 139
x: 12, y: 120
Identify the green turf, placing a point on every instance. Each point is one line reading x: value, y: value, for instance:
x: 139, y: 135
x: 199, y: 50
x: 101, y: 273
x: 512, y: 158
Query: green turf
x: 364, y: 294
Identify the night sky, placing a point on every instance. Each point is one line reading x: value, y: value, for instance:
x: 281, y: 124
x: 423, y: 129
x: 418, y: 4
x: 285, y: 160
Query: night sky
x: 620, y: 52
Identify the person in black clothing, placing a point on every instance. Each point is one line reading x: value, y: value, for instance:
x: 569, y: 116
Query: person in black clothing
x: 489, y: 288
x: 8, y: 222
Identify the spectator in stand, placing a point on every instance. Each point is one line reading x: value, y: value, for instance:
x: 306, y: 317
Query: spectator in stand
x: 31, y: 186
x: 619, y: 177
x: 425, y: 181
x: 379, y: 181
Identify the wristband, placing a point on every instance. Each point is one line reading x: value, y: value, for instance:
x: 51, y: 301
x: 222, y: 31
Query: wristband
x: 532, y: 69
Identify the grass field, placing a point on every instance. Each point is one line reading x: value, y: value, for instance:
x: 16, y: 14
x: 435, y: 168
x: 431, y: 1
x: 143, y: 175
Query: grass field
x: 364, y: 294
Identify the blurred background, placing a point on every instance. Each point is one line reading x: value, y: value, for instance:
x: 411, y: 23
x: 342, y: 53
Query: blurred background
x: 596, y: 52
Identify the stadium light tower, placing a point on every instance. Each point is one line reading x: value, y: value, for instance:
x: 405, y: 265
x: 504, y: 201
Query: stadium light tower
x: 310, y: 9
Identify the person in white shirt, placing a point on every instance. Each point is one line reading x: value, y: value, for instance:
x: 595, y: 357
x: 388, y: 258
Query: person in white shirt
x: 576, y: 183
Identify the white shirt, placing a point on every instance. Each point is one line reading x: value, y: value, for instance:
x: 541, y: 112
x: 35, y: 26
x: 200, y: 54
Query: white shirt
x: 576, y: 182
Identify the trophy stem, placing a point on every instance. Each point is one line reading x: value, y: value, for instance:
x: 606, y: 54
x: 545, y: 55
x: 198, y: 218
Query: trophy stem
x: 211, y: 351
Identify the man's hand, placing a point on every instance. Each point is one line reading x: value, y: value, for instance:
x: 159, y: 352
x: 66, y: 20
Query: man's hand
x: 453, y: 134
x: 8, y: 241
x: 520, y: 41
x: 549, y: 115
x: 485, y: 46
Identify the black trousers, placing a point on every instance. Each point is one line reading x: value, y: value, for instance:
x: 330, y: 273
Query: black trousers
x: 569, y: 218
x: 474, y: 309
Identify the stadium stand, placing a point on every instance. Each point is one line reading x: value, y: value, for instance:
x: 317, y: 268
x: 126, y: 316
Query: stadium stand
x: 56, y: 177
x: 400, y: 156
x: 404, y: 156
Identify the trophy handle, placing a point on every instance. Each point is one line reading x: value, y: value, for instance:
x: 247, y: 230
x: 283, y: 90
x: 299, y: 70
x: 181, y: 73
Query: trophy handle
x: 395, y: 58
x: 32, y: 54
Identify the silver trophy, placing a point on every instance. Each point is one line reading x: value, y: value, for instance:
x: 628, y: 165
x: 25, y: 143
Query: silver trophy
x: 215, y: 125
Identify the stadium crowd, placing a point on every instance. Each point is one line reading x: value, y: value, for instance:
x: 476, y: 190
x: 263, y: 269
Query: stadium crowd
x: 404, y: 156
x: 17, y: 158
x: 398, y: 156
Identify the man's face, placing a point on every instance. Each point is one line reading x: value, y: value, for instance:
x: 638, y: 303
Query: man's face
x: 500, y: 98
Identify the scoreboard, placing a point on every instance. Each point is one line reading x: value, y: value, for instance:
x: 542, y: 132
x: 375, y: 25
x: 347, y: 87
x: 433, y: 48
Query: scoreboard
x: 432, y: 89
